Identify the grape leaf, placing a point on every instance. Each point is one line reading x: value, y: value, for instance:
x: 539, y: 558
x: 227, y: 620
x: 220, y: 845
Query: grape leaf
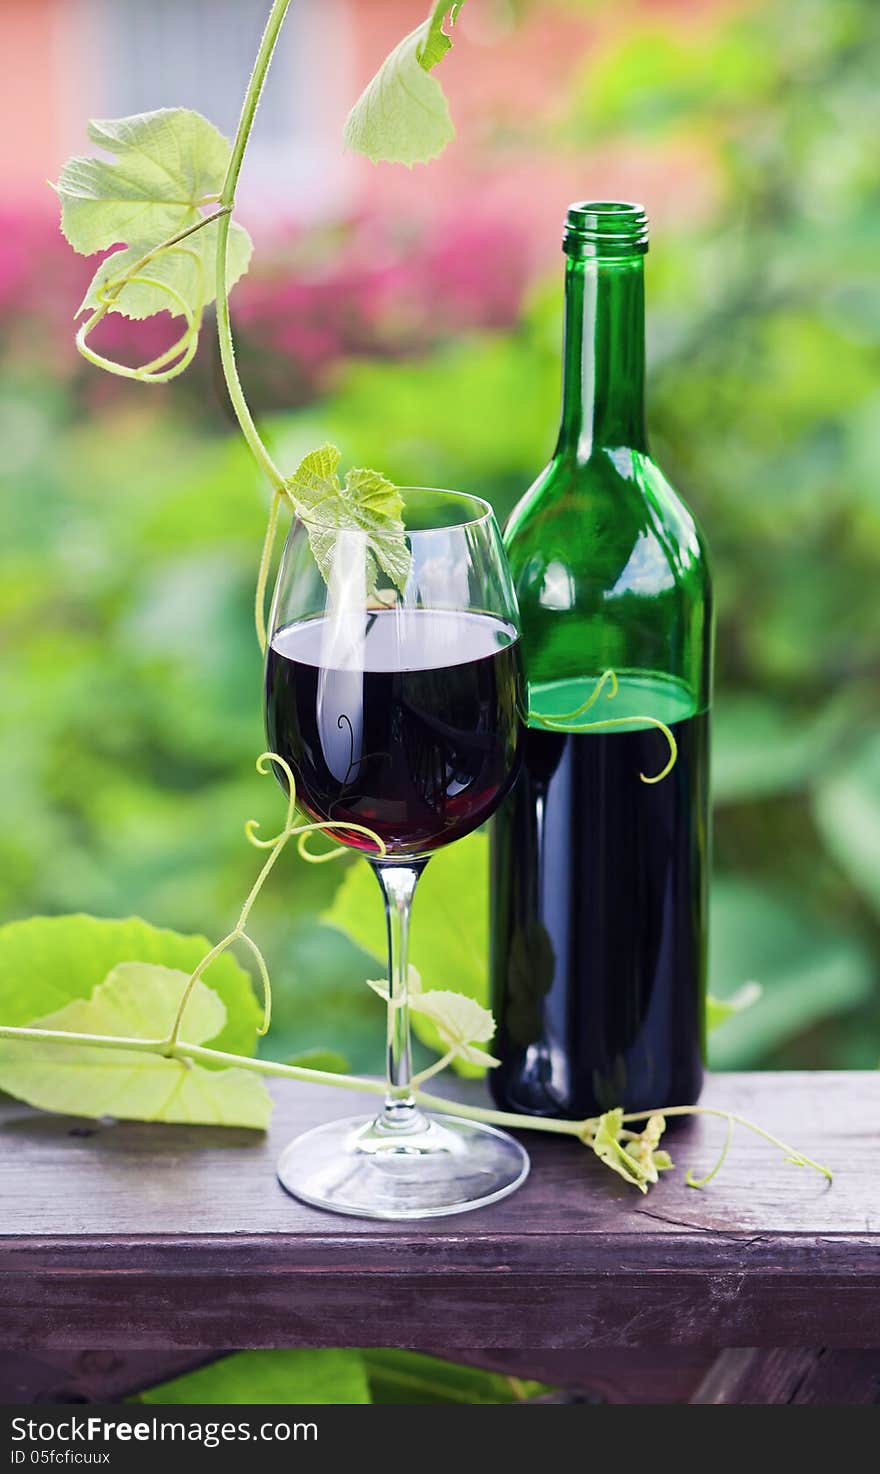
x: 402, y: 116
x: 436, y: 41
x: 189, y: 269
x: 169, y: 162
x: 169, y: 165
x: 135, y: 1000
x: 411, y: 1377
x: 300, y: 1378
x: 366, y: 503
x: 413, y: 986
x: 46, y: 961
x: 460, y: 1023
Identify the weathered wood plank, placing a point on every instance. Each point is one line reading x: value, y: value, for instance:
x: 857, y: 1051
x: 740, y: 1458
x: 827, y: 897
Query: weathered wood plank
x: 795, y: 1377
x: 142, y: 1237
x: 663, y: 1375
x: 228, y: 1306
x: 647, y: 1376
x: 840, y: 1378
x: 641, y: 1376
x: 88, y: 1376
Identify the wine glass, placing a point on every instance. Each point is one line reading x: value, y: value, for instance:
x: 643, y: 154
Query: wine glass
x: 394, y: 691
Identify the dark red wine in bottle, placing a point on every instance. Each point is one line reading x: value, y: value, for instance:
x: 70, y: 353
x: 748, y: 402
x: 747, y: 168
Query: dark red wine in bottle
x: 410, y: 725
x: 599, y: 878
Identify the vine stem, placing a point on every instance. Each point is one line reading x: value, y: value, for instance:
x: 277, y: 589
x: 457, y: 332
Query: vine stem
x: 185, y: 347
x: 201, y: 1054
x: 580, y: 1130
x: 227, y: 200
x: 173, y: 240
x: 505, y: 1119
x: 263, y: 574
x: 239, y: 933
x: 562, y: 722
x: 434, y: 1069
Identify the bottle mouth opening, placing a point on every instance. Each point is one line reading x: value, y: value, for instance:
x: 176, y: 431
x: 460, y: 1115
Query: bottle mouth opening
x: 609, y: 228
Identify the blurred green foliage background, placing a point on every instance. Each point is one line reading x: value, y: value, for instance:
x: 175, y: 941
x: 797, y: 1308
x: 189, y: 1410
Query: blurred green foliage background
x: 132, y: 522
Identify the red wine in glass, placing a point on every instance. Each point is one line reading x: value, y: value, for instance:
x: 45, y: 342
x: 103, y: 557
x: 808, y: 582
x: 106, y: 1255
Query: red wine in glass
x: 410, y: 726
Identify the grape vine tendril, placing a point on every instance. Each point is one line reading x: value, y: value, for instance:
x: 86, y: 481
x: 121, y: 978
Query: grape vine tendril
x: 563, y: 723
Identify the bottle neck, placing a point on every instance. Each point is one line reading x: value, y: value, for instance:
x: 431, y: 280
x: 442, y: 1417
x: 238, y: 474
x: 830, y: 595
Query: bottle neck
x: 603, y: 394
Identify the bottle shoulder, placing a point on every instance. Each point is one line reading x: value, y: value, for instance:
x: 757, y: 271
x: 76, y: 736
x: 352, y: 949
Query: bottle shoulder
x: 611, y: 574
x: 614, y: 517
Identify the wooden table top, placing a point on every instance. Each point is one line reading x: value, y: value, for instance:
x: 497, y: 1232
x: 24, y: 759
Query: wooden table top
x: 137, y: 1236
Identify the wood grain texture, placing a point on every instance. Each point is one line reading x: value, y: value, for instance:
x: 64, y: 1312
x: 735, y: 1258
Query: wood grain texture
x: 636, y: 1376
x: 665, y: 1375
x: 796, y: 1378
x: 648, y: 1376
x: 146, y: 1237
x: 88, y: 1376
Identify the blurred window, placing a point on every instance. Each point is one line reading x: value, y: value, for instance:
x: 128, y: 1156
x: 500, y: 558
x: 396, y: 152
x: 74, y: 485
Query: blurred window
x: 198, y: 54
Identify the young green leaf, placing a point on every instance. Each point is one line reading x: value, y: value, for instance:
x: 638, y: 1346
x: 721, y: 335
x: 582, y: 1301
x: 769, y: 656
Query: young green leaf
x: 604, y: 1137
x: 364, y: 503
x: 413, y: 986
x: 402, y: 116
x: 643, y: 1149
x: 461, y: 1023
x: 135, y: 1000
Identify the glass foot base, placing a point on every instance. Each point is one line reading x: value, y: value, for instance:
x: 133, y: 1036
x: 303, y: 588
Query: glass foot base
x: 443, y: 1164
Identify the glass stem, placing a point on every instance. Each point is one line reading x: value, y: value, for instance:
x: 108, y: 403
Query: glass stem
x: 398, y: 883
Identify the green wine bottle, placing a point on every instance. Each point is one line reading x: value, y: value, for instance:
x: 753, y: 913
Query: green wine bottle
x: 600, y: 854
